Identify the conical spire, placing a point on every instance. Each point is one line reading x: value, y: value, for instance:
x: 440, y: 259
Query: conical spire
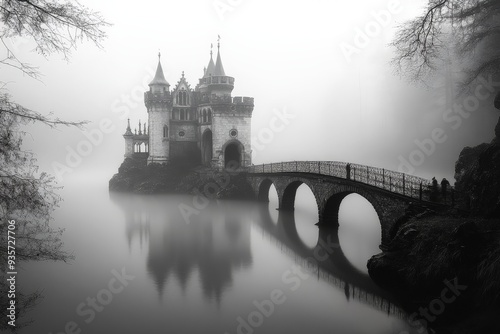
x: 128, y: 131
x: 211, y: 66
x: 159, y: 78
x: 219, y: 69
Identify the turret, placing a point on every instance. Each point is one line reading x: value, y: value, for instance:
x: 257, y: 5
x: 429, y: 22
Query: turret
x: 159, y: 83
x: 129, y: 141
x: 159, y: 93
x: 215, y: 81
x: 158, y: 101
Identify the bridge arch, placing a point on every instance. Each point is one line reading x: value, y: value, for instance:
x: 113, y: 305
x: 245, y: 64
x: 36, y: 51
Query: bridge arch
x: 329, y: 213
x: 263, y: 190
x: 287, y: 200
x: 389, y: 206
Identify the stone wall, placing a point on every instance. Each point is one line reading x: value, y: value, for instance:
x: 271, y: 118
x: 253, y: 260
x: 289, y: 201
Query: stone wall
x: 222, y: 125
x: 158, y: 146
x: 184, y: 152
x: 129, y: 147
x: 189, y: 128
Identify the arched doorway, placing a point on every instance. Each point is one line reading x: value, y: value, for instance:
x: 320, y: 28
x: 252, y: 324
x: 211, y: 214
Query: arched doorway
x: 206, y: 149
x: 232, y: 155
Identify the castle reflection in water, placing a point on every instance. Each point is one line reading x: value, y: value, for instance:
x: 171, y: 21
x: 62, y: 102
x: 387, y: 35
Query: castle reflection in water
x: 214, y: 242
x: 207, y: 242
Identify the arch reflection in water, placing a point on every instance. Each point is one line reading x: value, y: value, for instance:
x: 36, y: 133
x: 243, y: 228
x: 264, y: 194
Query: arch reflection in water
x: 360, y: 227
x: 327, y: 261
x: 303, y: 203
x: 306, y: 215
x: 273, y: 201
x: 210, y: 243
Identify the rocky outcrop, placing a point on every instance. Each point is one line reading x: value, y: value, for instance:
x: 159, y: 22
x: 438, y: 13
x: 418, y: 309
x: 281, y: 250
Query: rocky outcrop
x: 428, y: 250
x: 427, y: 247
x: 134, y: 175
x: 477, y: 172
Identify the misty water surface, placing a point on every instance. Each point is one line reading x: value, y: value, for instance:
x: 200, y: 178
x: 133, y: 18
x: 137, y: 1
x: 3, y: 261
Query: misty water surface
x: 207, y: 274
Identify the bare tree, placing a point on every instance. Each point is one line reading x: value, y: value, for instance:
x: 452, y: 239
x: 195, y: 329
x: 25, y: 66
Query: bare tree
x: 27, y: 195
x: 55, y: 27
x: 468, y: 30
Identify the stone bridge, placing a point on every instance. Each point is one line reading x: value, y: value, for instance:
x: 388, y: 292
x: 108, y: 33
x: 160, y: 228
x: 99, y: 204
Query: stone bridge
x: 389, y: 192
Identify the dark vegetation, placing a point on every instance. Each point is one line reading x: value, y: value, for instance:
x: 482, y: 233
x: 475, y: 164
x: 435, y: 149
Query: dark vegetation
x: 134, y: 175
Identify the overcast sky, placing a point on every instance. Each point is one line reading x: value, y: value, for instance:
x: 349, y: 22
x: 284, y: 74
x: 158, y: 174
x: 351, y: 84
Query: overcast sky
x: 324, y: 62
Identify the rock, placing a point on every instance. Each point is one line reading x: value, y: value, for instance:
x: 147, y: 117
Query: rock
x: 384, y: 270
x: 135, y: 175
x: 477, y: 172
x: 119, y: 183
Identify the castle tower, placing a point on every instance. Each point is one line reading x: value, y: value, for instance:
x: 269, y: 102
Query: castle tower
x: 158, y: 101
x: 129, y: 141
x: 186, y: 125
x: 224, y: 121
x: 215, y: 81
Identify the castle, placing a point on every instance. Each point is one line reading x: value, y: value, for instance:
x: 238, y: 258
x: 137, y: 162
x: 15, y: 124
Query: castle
x: 202, y: 126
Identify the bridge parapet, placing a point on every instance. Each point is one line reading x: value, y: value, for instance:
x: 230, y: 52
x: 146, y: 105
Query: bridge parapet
x: 392, y: 181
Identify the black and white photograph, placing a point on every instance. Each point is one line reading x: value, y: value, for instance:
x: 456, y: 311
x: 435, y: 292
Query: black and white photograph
x: 250, y: 166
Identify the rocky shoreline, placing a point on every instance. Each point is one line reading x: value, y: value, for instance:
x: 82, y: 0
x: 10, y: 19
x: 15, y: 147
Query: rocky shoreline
x: 134, y: 175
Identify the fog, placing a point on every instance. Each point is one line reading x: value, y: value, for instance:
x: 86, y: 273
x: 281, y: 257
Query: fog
x: 307, y: 60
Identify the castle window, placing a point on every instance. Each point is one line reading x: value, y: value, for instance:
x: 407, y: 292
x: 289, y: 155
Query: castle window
x: 165, y: 131
x: 182, y: 98
x: 209, y: 116
x: 204, y: 115
x: 183, y: 114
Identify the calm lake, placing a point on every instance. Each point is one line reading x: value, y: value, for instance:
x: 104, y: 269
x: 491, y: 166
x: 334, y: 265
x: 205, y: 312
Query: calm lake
x: 163, y: 264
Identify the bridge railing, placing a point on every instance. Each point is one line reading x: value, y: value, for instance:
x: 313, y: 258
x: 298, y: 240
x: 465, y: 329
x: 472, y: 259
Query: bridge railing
x: 396, y: 182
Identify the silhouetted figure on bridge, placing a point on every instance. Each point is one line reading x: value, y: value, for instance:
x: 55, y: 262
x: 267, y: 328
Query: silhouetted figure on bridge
x: 444, y: 188
x: 348, y: 171
x: 434, y: 189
